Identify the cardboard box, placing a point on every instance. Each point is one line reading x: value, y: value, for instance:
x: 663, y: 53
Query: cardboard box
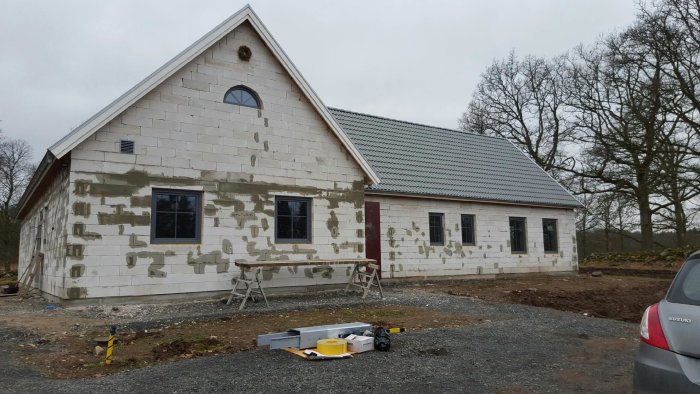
x: 359, y: 344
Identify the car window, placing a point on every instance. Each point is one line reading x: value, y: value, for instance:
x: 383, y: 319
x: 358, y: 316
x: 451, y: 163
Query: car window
x: 685, y: 289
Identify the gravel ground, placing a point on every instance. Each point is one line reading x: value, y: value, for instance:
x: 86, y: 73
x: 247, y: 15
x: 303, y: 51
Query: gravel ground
x: 515, y: 348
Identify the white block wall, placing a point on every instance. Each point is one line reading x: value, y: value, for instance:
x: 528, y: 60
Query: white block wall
x: 240, y: 158
x: 406, y: 249
x: 51, y: 211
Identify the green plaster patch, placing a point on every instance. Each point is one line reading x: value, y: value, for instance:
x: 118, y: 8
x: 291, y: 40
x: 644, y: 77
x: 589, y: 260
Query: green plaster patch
x: 212, y: 258
x: 226, y: 246
x: 135, y: 243
x: 359, y: 216
x: 390, y: 233
x: 81, y: 209
x: 74, y: 251
x: 77, y: 270
x: 229, y: 202
x: 210, y: 210
x: 272, y: 253
x: 141, y: 201
x: 357, y: 247
x: 79, y: 231
x: 269, y: 272
x: 157, y: 261
x: 120, y: 216
x: 332, y: 224
x: 242, y: 217
x: 325, y: 271
x: 76, y: 292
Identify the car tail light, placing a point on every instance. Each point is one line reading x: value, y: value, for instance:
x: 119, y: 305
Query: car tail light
x: 650, y: 329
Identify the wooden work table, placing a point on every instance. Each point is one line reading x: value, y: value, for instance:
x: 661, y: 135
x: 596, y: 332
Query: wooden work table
x: 364, y: 275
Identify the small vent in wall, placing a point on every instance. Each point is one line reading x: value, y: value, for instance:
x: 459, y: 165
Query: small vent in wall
x: 127, y: 146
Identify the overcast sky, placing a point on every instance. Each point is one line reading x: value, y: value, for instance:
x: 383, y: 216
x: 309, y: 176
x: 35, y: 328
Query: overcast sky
x: 62, y: 61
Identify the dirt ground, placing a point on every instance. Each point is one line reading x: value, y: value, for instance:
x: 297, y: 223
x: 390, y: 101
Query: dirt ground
x: 612, y: 297
x: 66, y: 345
x: 60, y: 342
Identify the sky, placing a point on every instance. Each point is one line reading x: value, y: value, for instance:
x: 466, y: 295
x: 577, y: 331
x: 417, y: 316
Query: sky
x: 420, y: 61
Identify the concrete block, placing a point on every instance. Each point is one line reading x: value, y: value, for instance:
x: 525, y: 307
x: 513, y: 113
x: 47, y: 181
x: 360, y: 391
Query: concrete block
x: 196, y: 84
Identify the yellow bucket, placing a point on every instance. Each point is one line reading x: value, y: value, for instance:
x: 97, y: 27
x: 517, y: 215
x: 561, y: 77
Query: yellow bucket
x: 332, y: 347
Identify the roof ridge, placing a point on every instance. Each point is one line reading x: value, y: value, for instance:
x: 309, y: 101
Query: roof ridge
x: 416, y: 123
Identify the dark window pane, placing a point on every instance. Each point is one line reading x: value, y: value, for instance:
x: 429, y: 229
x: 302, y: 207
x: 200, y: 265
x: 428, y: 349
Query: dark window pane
x: 549, y: 230
x: 685, y: 289
x: 299, y: 225
x: 284, y: 227
x: 435, y: 221
x: 283, y: 208
x: 186, y: 226
x: 175, y: 216
x: 247, y: 99
x: 187, y: 204
x: 165, y: 202
x: 299, y: 208
x: 293, y: 219
x: 165, y: 225
x: 517, y: 235
x: 241, y: 96
x: 468, y: 229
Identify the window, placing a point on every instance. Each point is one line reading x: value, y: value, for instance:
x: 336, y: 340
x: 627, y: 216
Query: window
x: 549, y: 228
x: 175, y: 216
x: 39, y: 231
x: 468, y: 237
x: 241, y: 95
x: 518, y: 236
x: 293, y: 220
x: 126, y: 146
x: 685, y: 289
x: 437, y: 232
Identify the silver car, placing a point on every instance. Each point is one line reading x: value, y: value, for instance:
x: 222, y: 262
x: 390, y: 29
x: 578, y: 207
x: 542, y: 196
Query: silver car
x: 669, y: 349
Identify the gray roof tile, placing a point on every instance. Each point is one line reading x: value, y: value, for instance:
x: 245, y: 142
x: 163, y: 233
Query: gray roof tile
x: 416, y: 159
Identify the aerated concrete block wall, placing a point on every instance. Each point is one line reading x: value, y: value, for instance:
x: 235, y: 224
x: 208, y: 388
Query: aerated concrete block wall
x: 239, y: 158
x: 407, y: 252
x: 46, y: 223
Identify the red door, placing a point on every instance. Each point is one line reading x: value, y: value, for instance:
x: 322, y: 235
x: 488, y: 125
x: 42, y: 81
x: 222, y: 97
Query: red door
x: 373, y: 234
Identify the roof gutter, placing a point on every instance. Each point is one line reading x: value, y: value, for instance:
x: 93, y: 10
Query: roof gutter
x: 46, y: 162
x: 369, y: 192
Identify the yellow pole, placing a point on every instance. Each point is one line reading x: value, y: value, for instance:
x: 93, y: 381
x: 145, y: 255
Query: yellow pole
x: 110, y: 345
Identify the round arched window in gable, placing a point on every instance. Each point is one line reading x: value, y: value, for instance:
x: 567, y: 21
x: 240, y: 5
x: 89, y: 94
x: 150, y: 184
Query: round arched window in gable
x: 241, y: 95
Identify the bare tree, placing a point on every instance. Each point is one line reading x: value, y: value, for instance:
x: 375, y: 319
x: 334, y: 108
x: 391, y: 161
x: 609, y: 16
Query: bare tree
x: 618, y: 94
x: 678, y: 167
x: 523, y: 101
x: 674, y: 28
x: 671, y: 28
x: 15, y: 172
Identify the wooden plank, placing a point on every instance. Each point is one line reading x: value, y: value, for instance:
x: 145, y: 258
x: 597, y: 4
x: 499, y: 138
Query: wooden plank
x: 296, y: 263
x: 31, y: 272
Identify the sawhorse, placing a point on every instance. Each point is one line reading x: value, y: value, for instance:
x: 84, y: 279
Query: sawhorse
x: 362, y: 278
x: 248, y: 287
